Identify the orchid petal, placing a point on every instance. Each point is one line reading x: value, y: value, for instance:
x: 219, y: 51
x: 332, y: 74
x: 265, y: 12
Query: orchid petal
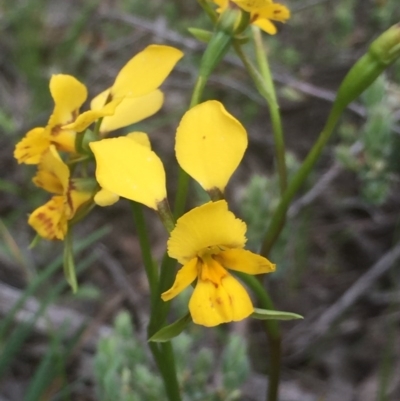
x: 210, y: 144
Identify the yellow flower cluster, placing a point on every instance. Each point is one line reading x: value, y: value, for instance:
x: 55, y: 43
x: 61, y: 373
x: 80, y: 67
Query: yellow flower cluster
x: 209, y: 239
x: 133, y: 97
x: 262, y: 12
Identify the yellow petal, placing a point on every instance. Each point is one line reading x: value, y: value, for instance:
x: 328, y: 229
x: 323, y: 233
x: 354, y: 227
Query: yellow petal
x: 53, y: 173
x: 210, y: 144
x: 185, y: 276
x: 244, y: 261
x: 88, y: 117
x: 68, y: 94
x: 105, y: 198
x: 133, y: 109
x: 241, y: 304
x: 211, y: 305
x: 274, y: 12
x: 266, y: 25
x: 211, y: 224
x: 63, y: 139
x: 251, y: 5
x: 75, y: 200
x: 49, y: 220
x: 222, y: 5
x: 99, y: 101
x: 130, y: 170
x: 146, y: 71
x: 141, y: 138
x: 31, y: 148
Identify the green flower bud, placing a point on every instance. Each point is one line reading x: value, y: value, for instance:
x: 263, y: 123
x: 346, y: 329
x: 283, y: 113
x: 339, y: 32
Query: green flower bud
x: 382, y: 52
x: 386, y: 48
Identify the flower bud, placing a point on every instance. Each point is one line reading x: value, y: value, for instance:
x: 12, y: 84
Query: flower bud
x: 386, y: 48
x: 382, y: 52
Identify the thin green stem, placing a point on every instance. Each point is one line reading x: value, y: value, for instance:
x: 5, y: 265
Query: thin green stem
x: 264, y: 85
x: 297, y: 181
x: 164, y: 357
x: 149, y: 265
x: 163, y: 354
x: 276, y: 121
x: 273, y: 335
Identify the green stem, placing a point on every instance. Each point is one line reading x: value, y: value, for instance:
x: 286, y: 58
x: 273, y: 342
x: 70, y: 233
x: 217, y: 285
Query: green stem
x: 272, y: 331
x: 149, y: 265
x: 298, y: 180
x: 276, y: 121
x: 273, y: 334
x: 163, y: 354
x: 164, y: 357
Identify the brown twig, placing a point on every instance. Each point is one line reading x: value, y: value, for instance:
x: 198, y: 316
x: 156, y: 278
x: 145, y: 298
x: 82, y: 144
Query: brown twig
x: 314, y: 331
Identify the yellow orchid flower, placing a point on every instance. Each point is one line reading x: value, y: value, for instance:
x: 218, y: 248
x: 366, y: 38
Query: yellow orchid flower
x: 262, y: 12
x: 51, y: 220
x: 68, y: 94
x: 134, y: 95
x: 210, y: 144
x: 207, y: 241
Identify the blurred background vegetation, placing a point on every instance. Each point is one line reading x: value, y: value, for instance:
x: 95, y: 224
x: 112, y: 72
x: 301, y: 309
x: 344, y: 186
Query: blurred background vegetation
x: 337, y: 259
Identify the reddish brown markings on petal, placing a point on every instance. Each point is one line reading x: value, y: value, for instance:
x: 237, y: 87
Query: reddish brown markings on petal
x: 277, y: 12
x: 254, y: 17
x: 56, y: 130
x: 68, y: 195
x: 219, y: 301
x: 230, y: 299
x: 46, y: 221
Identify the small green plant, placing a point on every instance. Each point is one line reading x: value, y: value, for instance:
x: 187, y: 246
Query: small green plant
x: 124, y: 372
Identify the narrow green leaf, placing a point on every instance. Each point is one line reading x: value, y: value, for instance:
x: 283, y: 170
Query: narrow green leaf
x: 173, y: 330
x: 264, y: 314
x: 68, y: 262
x: 201, y: 34
x: 43, y: 276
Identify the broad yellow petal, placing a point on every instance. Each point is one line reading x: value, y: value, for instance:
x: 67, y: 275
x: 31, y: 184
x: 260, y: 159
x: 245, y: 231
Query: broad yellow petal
x: 75, y: 200
x: 211, y: 305
x: 100, y: 100
x: 105, y: 198
x: 31, y: 147
x: 63, y: 139
x: 133, y: 109
x: 146, y: 71
x: 68, y: 94
x: 241, y: 304
x: 89, y: 117
x: 274, y: 12
x: 141, y: 138
x: 49, y: 220
x: 130, y: 170
x: 210, y: 144
x: 251, y: 5
x: 244, y: 261
x: 185, y: 276
x: 266, y: 25
x: 53, y: 173
x: 211, y: 224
